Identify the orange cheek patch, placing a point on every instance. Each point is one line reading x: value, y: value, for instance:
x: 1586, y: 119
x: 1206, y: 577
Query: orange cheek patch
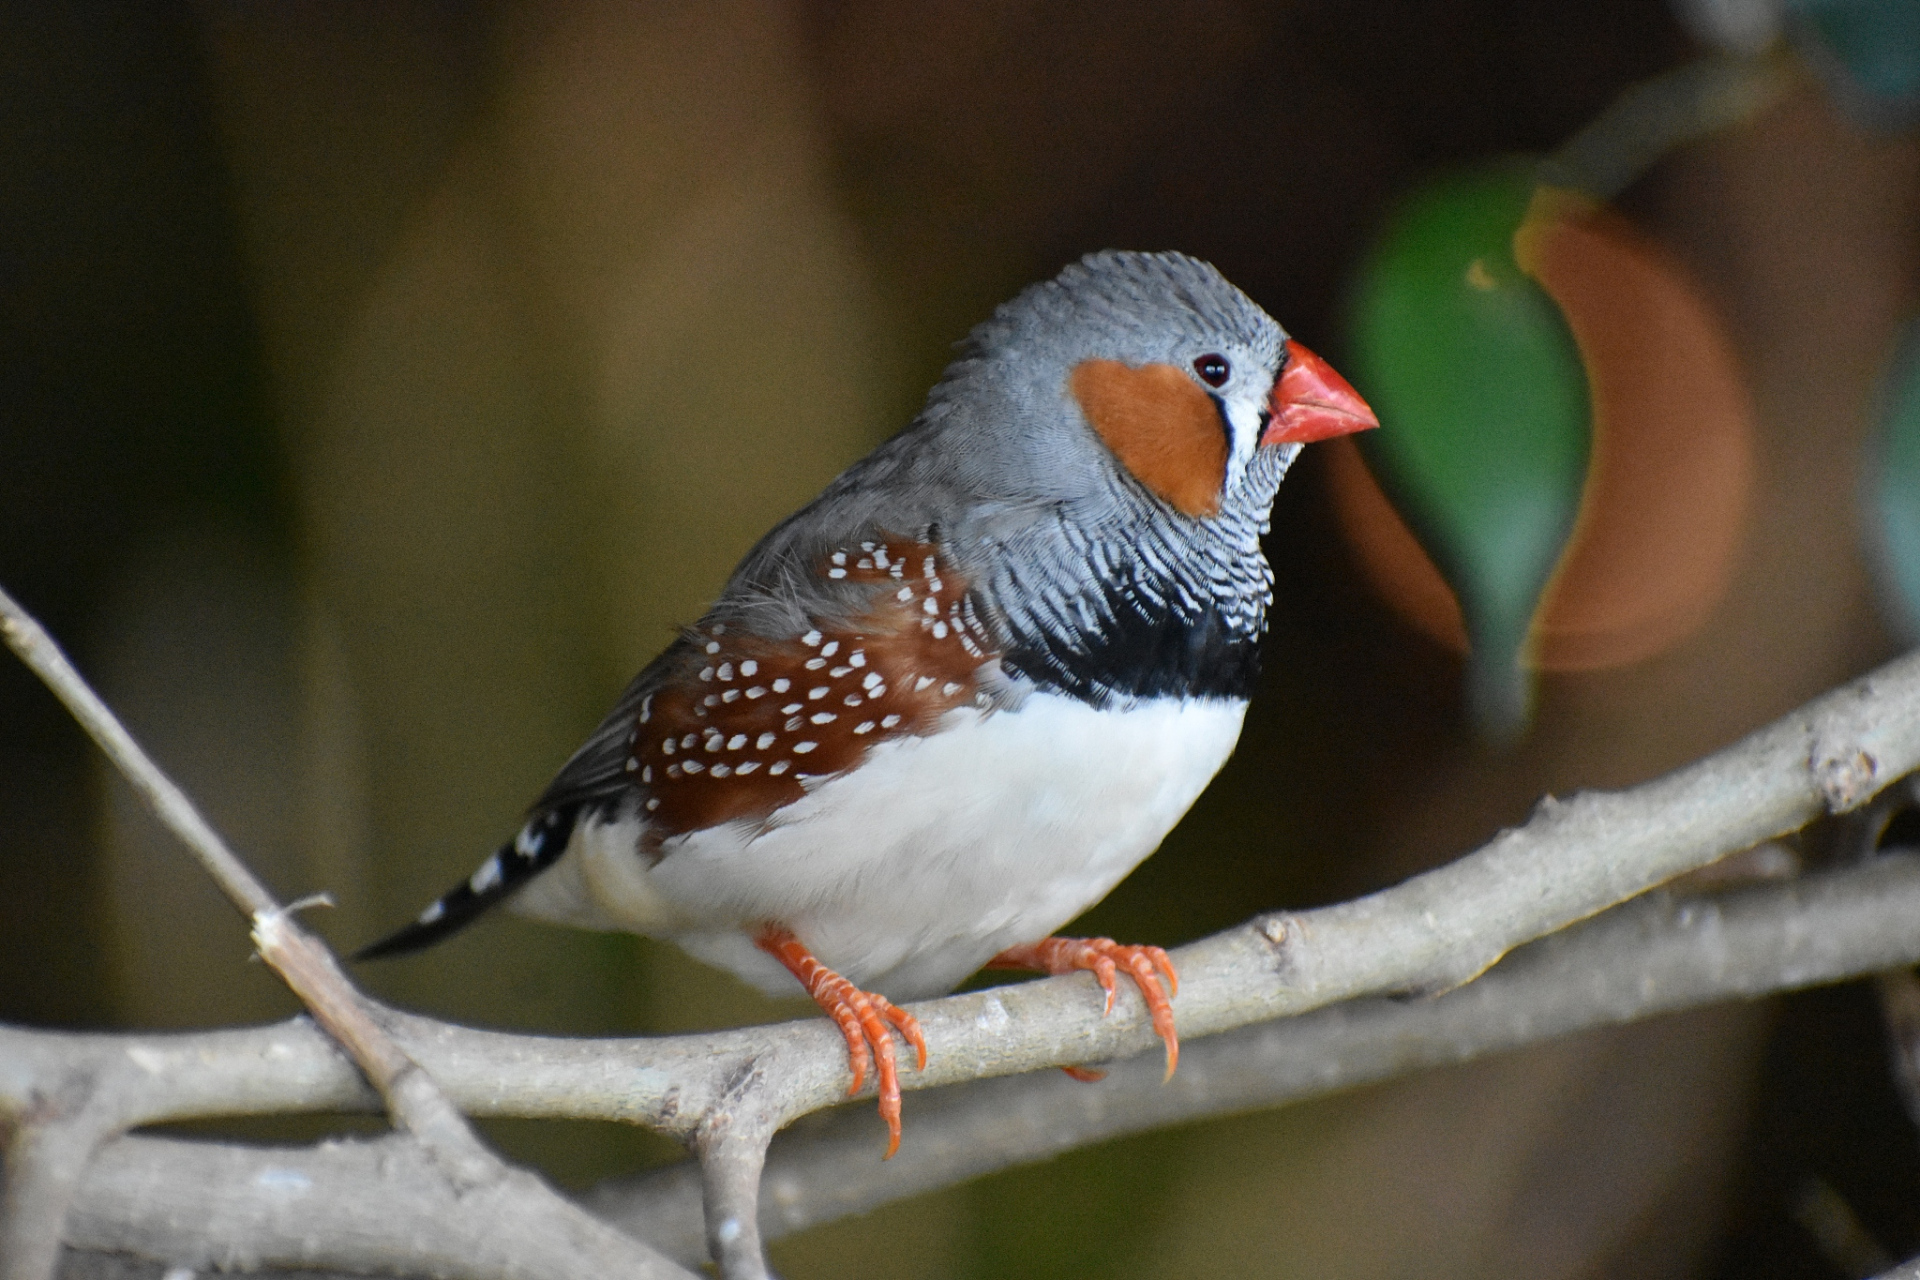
x: 1165, y: 430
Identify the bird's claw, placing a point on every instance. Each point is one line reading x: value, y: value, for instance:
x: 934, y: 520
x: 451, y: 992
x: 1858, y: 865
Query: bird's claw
x: 864, y: 1018
x: 1103, y: 957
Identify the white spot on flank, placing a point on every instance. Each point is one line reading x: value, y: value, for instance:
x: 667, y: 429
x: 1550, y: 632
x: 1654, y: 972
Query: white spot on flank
x: 706, y: 673
x: 871, y: 679
x: 687, y: 741
x: 758, y: 691
x: 823, y: 717
x: 930, y: 605
x: 903, y: 594
x: 793, y: 723
x: 853, y: 699
x: 801, y: 748
x: 668, y: 746
x: 830, y: 648
x: 935, y: 585
x: 949, y: 688
x: 779, y: 767
x: 646, y: 708
x: 653, y: 804
x: 926, y: 567
x: 487, y: 877
x: 817, y: 692
x: 711, y: 700
x: 632, y: 764
x: 837, y: 672
x: 858, y: 658
x: 713, y: 646
x: 674, y: 771
x: 731, y: 695
x: 646, y: 774
x: 736, y: 742
x: 865, y: 726
x: 726, y: 671
x: 922, y: 683
x: 887, y: 722
x: 939, y: 631
x: 694, y: 766
x: 749, y: 667
x: 721, y: 771
x: 839, y: 557
x: 810, y: 639
x: 836, y: 573
x: 814, y: 664
x: 791, y: 707
x: 782, y: 685
x: 433, y: 913
x: 747, y: 766
x: 866, y: 546
x: 880, y: 558
x: 764, y: 741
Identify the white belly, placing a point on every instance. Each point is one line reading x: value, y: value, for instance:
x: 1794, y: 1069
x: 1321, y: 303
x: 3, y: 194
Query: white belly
x: 911, y: 871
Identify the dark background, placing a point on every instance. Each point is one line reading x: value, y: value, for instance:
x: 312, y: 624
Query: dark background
x: 379, y: 383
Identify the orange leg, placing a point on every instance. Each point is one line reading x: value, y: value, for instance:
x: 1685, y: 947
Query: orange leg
x: 862, y: 1017
x: 1105, y: 958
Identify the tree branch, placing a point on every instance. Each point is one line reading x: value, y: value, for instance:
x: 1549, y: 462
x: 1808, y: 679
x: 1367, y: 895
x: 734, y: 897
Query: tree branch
x: 727, y: 1093
x: 50, y: 1147
x: 190, y: 1201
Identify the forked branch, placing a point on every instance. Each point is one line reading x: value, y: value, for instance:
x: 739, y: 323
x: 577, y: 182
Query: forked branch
x: 727, y: 1093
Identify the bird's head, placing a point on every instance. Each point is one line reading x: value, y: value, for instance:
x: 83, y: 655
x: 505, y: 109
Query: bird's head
x: 1151, y: 367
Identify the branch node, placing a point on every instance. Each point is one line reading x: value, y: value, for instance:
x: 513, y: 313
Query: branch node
x: 1846, y: 775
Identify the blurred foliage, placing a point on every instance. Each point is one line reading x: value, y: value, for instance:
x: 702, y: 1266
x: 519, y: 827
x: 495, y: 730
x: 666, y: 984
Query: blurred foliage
x: 1597, y: 560
x: 1893, y: 489
x: 1471, y: 368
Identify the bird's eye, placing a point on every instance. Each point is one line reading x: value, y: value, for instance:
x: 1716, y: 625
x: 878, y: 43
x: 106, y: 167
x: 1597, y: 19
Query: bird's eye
x: 1213, y: 369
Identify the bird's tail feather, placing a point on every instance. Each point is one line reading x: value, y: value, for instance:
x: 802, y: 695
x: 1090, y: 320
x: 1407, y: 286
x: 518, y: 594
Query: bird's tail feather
x: 538, y: 846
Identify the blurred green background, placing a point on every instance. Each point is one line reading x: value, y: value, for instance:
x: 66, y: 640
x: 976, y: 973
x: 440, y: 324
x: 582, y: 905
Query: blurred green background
x: 382, y: 381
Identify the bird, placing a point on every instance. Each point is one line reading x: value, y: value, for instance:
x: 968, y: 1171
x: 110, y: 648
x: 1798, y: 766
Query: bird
x: 944, y: 708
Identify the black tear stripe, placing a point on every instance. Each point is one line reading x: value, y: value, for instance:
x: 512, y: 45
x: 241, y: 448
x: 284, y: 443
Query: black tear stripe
x: 1142, y: 652
x: 538, y: 846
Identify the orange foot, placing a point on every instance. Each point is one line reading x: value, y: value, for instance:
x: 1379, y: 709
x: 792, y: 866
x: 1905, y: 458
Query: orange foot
x: 1105, y: 957
x: 862, y: 1017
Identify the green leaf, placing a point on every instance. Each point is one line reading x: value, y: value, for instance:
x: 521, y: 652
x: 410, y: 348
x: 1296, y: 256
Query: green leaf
x: 1893, y: 491
x: 1484, y: 412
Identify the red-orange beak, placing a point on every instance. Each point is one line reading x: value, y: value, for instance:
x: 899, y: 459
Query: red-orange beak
x: 1312, y: 402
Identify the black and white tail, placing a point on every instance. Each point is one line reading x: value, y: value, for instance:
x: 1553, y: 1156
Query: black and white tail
x: 537, y: 847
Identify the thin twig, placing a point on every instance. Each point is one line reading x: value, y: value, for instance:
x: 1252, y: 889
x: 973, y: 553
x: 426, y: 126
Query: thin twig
x: 1908, y: 1270
x: 53, y: 1149
x: 168, y: 802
